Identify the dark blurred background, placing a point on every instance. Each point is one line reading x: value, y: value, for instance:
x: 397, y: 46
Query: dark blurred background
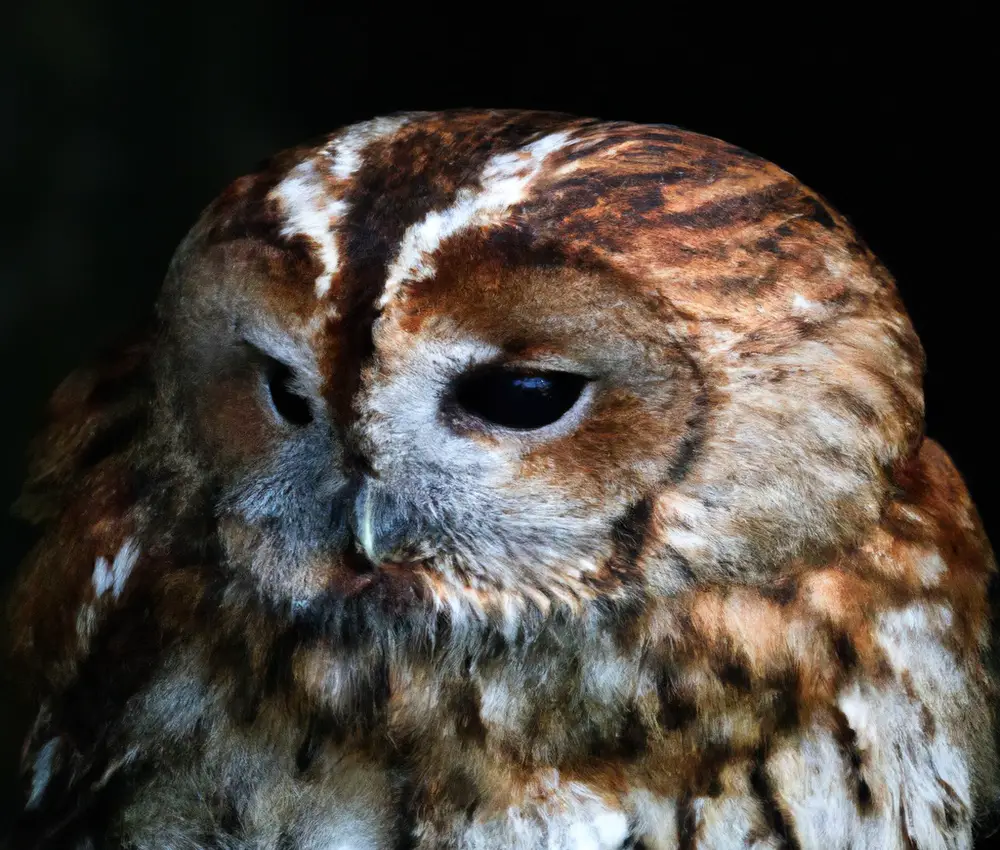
x: 119, y: 121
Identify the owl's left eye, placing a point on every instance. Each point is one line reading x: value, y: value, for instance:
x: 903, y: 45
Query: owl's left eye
x: 519, y: 399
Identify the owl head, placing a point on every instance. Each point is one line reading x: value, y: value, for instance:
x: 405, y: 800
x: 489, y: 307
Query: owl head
x: 496, y: 362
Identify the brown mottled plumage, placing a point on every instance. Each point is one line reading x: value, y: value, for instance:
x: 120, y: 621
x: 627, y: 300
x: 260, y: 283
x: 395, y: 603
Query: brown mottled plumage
x: 508, y: 480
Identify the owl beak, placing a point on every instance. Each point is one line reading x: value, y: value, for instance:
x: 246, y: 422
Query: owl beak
x: 384, y: 526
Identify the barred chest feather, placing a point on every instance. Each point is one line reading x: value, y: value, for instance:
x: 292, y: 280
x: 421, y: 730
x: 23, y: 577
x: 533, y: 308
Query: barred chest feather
x: 832, y: 708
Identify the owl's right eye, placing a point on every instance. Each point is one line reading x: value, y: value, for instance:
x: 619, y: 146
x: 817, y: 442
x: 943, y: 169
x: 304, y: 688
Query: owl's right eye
x: 288, y: 404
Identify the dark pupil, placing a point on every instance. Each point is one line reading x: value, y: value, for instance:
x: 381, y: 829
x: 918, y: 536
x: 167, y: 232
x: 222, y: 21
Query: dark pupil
x: 289, y: 404
x: 523, y: 400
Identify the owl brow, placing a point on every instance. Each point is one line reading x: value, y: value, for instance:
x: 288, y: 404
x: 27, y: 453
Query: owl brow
x: 283, y: 355
x: 503, y: 182
x: 314, y: 209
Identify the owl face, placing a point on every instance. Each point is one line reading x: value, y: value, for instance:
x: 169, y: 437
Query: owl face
x: 501, y: 361
x: 496, y: 437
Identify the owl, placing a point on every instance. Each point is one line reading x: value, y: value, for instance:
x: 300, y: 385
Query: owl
x: 507, y: 479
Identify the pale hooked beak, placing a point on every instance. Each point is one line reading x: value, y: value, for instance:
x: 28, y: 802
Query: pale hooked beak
x: 364, y: 530
x: 386, y: 527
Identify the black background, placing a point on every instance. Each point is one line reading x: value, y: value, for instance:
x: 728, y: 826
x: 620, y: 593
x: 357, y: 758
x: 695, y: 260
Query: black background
x: 120, y: 121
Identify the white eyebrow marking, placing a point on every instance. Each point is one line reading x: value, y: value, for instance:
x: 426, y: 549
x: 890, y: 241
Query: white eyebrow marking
x: 311, y: 212
x: 346, y: 150
x: 114, y: 575
x: 309, y: 200
x: 502, y: 184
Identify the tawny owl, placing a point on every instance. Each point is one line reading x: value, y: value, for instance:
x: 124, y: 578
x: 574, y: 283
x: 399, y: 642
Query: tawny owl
x: 507, y: 480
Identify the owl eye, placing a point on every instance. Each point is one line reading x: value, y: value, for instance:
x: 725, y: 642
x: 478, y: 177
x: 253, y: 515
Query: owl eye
x: 291, y: 406
x: 519, y: 399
